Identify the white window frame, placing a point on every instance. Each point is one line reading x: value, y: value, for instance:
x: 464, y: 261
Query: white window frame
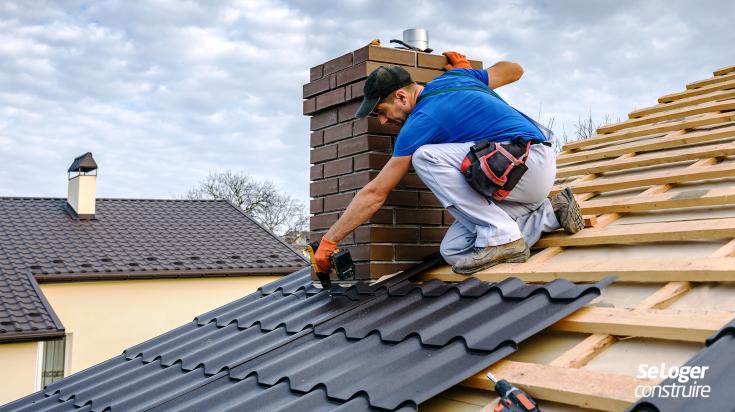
x: 39, y: 364
x: 39, y: 360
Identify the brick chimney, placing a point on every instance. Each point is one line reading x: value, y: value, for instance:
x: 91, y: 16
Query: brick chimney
x: 348, y: 152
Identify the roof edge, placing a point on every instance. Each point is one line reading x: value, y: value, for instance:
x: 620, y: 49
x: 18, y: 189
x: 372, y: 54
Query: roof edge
x: 166, y: 274
x: 46, y: 304
x: 17, y: 337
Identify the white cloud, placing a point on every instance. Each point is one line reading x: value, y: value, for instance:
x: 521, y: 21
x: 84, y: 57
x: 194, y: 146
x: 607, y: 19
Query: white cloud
x: 163, y: 92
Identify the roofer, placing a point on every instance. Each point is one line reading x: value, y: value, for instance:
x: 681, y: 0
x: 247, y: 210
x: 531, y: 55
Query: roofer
x: 500, y: 207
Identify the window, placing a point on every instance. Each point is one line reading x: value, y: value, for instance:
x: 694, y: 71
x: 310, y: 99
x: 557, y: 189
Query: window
x: 53, y: 361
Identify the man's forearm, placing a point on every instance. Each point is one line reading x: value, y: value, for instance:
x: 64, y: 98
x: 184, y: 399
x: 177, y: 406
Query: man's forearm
x: 361, y: 208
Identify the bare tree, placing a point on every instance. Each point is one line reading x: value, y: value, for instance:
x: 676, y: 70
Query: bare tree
x: 261, y: 200
x: 585, y: 128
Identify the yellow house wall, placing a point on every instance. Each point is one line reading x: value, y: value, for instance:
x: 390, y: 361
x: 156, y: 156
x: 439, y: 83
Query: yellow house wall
x: 17, y: 370
x: 104, y: 318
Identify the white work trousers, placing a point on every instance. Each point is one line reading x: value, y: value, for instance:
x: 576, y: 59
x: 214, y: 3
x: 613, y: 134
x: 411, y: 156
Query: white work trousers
x: 479, y: 221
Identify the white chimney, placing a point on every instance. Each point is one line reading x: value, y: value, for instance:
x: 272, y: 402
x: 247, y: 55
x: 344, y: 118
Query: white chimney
x: 82, y: 189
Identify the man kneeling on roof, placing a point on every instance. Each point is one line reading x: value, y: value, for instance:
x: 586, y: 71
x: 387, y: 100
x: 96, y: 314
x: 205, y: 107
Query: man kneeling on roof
x: 491, y: 166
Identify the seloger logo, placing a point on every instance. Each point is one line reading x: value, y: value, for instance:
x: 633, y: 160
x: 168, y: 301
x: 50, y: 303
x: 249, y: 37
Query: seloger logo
x: 683, y: 381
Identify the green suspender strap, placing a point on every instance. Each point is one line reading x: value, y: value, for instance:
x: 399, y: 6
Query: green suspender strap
x: 548, y: 134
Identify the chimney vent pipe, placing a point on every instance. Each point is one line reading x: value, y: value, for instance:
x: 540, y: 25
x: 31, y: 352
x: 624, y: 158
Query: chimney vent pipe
x: 418, y: 38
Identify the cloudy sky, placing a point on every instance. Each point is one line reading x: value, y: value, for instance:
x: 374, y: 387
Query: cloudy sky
x: 165, y: 91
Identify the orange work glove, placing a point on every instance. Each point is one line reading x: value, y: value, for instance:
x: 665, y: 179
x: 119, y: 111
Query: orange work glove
x: 456, y: 61
x: 321, y: 257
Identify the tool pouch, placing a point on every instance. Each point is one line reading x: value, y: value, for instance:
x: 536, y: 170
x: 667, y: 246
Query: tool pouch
x: 493, y: 169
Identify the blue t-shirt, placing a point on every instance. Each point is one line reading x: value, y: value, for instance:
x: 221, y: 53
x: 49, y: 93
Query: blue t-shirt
x: 461, y: 116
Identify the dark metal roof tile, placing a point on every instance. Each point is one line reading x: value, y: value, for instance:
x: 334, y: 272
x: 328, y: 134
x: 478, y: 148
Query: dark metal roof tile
x: 38, y: 237
x: 720, y: 377
x: 391, y: 346
x: 339, y: 364
x: 289, y: 284
x: 225, y: 394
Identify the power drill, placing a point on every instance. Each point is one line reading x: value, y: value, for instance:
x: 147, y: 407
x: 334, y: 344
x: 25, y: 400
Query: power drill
x: 512, y: 399
x: 341, y: 264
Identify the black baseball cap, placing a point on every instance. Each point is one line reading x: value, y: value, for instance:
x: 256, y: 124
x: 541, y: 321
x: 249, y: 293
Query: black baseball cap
x: 379, y: 84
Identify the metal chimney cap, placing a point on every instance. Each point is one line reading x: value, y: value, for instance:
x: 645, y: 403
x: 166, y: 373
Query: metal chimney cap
x: 418, y: 38
x: 83, y: 164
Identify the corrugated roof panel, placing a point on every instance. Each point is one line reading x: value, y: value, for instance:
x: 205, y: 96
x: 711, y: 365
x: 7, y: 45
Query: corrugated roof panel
x: 439, y: 318
x: 719, y: 377
x: 369, y: 341
x: 347, y: 367
x: 225, y: 394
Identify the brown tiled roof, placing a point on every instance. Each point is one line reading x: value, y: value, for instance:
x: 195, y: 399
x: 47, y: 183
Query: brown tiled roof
x: 40, y: 241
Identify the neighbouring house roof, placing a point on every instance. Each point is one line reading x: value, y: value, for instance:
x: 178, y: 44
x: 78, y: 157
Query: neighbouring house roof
x: 291, y: 346
x: 129, y: 238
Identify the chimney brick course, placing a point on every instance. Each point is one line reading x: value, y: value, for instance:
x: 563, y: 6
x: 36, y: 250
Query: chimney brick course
x: 348, y: 152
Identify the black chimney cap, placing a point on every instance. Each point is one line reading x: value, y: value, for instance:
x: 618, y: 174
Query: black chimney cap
x: 84, y: 163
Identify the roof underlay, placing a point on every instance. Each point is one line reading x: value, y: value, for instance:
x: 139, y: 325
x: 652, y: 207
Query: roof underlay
x: 659, y: 194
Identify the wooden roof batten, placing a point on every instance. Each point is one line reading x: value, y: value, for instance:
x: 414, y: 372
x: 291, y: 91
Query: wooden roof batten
x: 696, y: 126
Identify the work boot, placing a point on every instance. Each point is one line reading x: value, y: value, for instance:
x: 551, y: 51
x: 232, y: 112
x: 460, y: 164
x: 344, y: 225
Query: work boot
x: 481, y: 258
x: 567, y: 211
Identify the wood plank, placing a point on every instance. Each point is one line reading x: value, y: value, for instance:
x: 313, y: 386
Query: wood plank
x: 689, y: 198
x: 710, y: 107
x: 726, y: 251
x: 696, y: 92
x: 714, y: 269
x: 584, y: 351
x: 591, y: 346
x: 672, y: 140
x: 680, y: 325
x: 665, y: 296
x: 604, y: 391
x: 724, y: 70
x: 712, y: 80
x: 652, y: 178
x: 703, y: 152
x: 645, y: 233
x: 650, y: 130
x: 689, y: 101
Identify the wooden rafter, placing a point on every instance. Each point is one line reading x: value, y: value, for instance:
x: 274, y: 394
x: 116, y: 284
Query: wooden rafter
x: 605, y: 391
x: 672, y: 140
x: 724, y: 70
x: 651, y: 130
x: 684, y: 154
x: 689, y: 198
x: 694, y: 326
x: 631, y: 270
x: 712, y: 80
x: 679, y: 113
x: 645, y: 233
x: 697, y: 92
x: 689, y: 101
x: 652, y: 178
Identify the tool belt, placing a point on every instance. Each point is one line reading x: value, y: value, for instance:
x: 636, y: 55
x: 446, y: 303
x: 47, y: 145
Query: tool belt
x: 494, y: 169
x: 491, y: 168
